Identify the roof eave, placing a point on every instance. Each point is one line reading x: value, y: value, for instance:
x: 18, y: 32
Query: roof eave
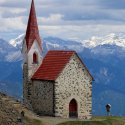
x: 85, y: 67
x: 34, y: 79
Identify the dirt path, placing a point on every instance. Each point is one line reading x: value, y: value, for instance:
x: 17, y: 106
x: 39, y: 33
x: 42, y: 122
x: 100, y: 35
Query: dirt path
x: 46, y: 120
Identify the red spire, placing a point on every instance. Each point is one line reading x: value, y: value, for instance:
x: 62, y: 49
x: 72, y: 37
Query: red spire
x: 32, y: 32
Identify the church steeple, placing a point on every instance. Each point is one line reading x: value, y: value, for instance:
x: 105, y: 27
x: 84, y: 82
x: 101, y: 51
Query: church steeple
x: 32, y: 32
x: 31, y: 48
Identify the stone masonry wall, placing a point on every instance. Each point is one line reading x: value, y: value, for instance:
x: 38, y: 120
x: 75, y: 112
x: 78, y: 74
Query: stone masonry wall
x: 74, y: 83
x: 27, y: 87
x: 28, y: 70
x: 43, y: 94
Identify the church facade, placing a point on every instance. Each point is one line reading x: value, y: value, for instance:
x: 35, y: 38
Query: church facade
x: 58, y: 84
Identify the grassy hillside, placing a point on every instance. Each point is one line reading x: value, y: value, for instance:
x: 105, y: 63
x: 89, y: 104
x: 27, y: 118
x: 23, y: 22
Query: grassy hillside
x: 99, y: 121
x: 10, y: 111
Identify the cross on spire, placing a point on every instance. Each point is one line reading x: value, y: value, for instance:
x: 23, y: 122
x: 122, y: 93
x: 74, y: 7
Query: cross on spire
x: 32, y: 32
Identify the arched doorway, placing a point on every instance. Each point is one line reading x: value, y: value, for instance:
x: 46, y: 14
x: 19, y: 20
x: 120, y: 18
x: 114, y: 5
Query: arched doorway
x: 73, y: 108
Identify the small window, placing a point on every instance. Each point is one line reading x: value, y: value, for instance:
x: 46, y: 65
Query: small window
x: 35, y: 58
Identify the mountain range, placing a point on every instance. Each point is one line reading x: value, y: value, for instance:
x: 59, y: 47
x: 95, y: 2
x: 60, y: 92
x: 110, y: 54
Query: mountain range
x: 104, y: 57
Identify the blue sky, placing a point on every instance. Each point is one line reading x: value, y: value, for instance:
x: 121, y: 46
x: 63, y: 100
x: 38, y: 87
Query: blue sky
x: 68, y: 19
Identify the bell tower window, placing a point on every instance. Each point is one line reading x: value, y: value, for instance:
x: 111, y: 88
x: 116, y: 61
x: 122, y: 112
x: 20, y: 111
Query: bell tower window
x: 35, y: 58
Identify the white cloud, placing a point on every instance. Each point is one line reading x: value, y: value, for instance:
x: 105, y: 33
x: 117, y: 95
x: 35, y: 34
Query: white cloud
x: 2, y: 1
x: 10, y: 24
x: 5, y: 11
x: 81, y: 32
x: 52, y: 19
x: 62, y: 18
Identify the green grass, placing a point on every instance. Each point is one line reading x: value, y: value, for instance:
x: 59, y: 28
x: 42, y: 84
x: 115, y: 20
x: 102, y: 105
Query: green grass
x: 112, y: 120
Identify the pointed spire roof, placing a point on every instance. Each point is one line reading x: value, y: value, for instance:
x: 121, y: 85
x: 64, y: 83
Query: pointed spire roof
x: 32, y: 32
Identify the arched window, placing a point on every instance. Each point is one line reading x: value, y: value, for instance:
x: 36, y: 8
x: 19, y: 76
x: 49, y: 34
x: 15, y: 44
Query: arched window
x: 73, y: 108
x: 35, y: 58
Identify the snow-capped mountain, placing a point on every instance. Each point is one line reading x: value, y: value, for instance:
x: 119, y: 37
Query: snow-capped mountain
x: 111, y: 39
x: 17, y: 42
x: 9, y: 53
x: 50, y: 43
x: 104, y: 57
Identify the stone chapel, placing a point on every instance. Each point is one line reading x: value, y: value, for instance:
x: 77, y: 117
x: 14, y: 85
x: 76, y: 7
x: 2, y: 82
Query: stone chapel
x: 58, y: 84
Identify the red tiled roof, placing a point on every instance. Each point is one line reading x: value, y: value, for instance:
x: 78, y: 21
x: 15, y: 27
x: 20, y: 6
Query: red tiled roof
x: 52, y: 65
x: 32, y: 32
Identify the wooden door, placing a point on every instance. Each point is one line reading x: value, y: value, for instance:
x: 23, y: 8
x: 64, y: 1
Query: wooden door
x: 73, y: 108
